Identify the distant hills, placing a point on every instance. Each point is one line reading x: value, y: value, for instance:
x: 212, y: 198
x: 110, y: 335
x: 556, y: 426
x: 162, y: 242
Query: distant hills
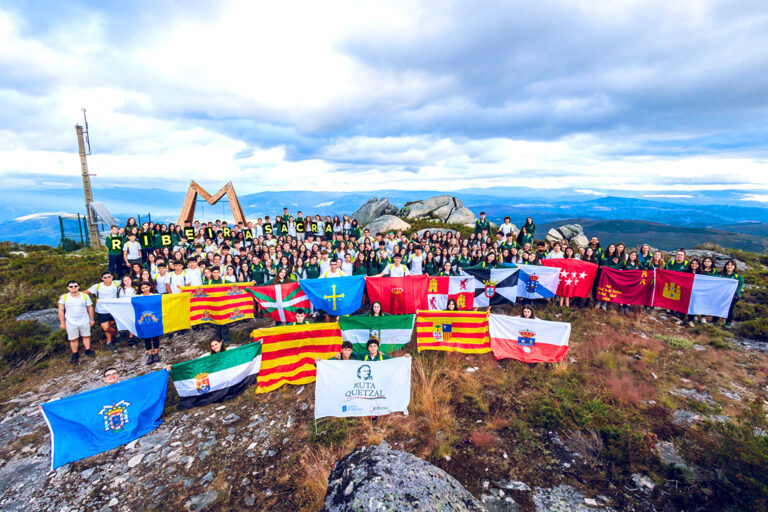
x: 687, y: 218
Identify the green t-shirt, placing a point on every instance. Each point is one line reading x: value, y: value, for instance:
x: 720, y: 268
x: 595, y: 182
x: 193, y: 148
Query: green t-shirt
x: 115, y: 245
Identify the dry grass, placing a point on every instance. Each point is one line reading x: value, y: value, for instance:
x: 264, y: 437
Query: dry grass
x: 628, y: 389
x: 432, y: 416
x: 314, y: 468
x: 484, y: 439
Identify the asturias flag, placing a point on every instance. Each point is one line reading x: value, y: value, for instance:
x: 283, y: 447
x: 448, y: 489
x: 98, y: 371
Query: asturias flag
x: 280, y: 301
x: 151, y: 315
x: 494, y: 286
x: 216, y: 377
x: 529, y: 340
x: 336, y: 296
x: 576, y: 276
x: 634, y: 287
x: 399, y: 295
x: 104, y: 418
x: 538, y: 282
x: 694, y: 294
x: 443, y: 288
x: 453, y: 331
x: 392, y: 331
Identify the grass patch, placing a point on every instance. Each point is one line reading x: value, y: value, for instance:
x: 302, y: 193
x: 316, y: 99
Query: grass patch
x: 676, y: 342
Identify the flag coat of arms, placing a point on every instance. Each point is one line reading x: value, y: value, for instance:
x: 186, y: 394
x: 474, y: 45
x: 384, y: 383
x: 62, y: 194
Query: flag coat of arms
x: 442, y: 288
x: 216, y: 377
x: 336, y: 296
x: 453, y: 331
x: 280, y: 301
x: 357, y: 388
x: 392, y: 331
x: 576, y: 276
x: 538, y: 282
x: 219, y: 303
x: 494, y: 286
x: 694, y: 294
x: 634, y: 287
x: 288, y: 353
x: 104, y: 418
x: 399, y: 295
x: 151, y: 315
x: 529, y: 340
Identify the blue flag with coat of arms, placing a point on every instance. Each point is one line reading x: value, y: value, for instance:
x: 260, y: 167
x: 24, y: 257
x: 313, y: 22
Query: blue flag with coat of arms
x: 336, y: 296
x: 104, y: 418
x: 538, y: 282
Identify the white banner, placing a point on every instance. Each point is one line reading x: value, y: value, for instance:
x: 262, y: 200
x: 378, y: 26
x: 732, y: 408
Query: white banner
x: 362, y: 388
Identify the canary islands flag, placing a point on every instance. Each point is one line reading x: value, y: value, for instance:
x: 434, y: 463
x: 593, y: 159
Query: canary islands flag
x: 104, y: 418
x: 151, y: 315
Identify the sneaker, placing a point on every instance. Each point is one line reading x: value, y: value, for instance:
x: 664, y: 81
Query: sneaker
x: 703, y: 320
x: 150, y: 359
x: 111, y: 346
x: 678, y: 322
x: 690, y: 324
x: 90, y: 353
x: 728, y: 325
x: 605, y: 306
x: 75, y: 358
x: 156, y: 357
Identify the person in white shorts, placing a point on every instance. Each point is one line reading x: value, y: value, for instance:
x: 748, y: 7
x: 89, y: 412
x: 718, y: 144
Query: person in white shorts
x: 76, y: 317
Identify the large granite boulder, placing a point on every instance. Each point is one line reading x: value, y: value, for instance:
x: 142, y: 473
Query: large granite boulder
x: 387, y: 223
x: 574, y: 233
x: 717, y: 257
x: 432, y: 231
x: 375, y: 478
x: 372, y: 209
x: 461, y: 215
x: 441, y: 208
x: 49, y: 317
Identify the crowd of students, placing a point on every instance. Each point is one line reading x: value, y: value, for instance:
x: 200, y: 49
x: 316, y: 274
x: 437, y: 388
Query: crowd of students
x: 159, y: 258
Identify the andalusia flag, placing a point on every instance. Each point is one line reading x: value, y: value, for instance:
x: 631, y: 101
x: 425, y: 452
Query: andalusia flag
x: 392, y: 331
x: 216, y: 377
x: 281, y: 301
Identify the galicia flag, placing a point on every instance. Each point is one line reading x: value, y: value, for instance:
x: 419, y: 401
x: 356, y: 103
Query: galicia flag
x: 494, y: 286
x: 538, y: 282
x: 576, y: 276
x: 336, y: 296
x: 104, y: 418
x: 529, y: 340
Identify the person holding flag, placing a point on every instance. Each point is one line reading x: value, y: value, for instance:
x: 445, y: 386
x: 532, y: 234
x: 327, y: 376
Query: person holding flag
x: 729, y: 272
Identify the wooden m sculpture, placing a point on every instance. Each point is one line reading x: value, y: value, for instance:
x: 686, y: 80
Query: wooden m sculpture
x: 188, y: 209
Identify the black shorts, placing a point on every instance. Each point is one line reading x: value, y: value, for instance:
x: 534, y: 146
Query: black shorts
x: 104, y: 318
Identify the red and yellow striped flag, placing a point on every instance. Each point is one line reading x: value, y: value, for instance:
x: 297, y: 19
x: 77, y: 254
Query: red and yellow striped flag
x: 219, y: 303
x: 453, y: 331
x: 288, y: 353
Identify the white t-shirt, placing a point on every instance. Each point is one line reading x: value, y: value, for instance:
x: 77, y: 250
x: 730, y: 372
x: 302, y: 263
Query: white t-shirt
x: 325, y: 265
x: 76, y: 308
x: 161, y: 281
x: 194, y: 276
x: 128, y: 292
x: 133, y: 250
x: 505, y: 228
x: 102, y: 291
x: 417, y: 263
x: 347, y: 268
x: 229, y: 279
x: 328, y: 273
x: 397, y: 271
x: 177, y: 280
x: 554, y: 255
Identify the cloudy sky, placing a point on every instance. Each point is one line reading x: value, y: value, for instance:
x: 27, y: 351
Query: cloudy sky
x: 357, y: 95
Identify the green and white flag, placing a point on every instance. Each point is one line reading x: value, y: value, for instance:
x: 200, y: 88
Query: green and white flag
x: 216, y: 377
x: 392, y: 331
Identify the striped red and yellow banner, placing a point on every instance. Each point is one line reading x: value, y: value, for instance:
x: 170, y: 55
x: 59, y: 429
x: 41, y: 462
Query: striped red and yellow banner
x: 288, y: 353
x: 453, y: 331
x: 219, y: 303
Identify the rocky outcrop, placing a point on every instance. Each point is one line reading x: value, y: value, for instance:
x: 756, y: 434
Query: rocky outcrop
x: 387, y: 223
x: 574, y: 233
x: 432, y: 231
x: 380, y: 478
x: 49, y: 317
x: 718, y: 258
x: 373, y: 209
x: 442, y: 208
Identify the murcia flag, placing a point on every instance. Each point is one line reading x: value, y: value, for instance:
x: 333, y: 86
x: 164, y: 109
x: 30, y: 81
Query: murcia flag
x: 357, y: 388
x: 442, y: 288
x: 280, y: 301
x: 694, y: 294
x: 576, y: 276
x: 494, y: 286
x: 538, y: 282
x: 634, y: 287
x: 529, y: 340
x: 453, y: 331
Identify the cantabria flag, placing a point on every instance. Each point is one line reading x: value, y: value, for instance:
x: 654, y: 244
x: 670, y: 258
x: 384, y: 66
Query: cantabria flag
x: 392, y: 331
x: 216, y: 377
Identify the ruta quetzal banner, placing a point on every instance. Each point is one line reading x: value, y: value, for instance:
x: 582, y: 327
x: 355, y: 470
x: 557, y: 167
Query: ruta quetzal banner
x: 399, y: 295
x: 529, y: 340
x: 336, y: 296
x: 281, y: 301
x: 576, y: 276
x: 219, y: 303
x: 288, y: 352
x: 104, y: 418
x: 633, y: 287
x: 453, y: 331
x: 694, y: 294
x: 147, y: 316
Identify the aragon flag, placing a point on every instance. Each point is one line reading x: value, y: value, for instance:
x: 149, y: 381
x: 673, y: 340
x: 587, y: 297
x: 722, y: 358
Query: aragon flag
x: 219, y: 303
x: 693, y: 294
x: 399, y: 295
x: 216, y: 377
x: 494, y: 286
x: 280, y: 301
x: 442, y: 288
x: 453, y: 331
x: 576, y: 276
x: 634, y: 287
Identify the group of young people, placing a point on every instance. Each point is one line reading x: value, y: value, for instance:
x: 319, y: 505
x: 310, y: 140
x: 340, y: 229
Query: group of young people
x: 160, y: 258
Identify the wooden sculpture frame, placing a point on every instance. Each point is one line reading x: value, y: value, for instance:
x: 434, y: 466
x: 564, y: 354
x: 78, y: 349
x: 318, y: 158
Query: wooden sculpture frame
x: 188, y: 208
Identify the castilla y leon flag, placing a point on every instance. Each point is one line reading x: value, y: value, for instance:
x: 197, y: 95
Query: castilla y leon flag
x: 529, y: 340
x: 441, y: 289
x: 693, y: 294
x: 453, y: 331
x: 219, y: 303
x: 281, y: 301
x: 399, y: 295
x: 576, y: 276
x: 633, y: 287
x: 288, y: 353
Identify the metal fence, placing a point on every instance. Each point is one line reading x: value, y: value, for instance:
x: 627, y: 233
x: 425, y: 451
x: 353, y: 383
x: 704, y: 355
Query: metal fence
x: 74, y: 230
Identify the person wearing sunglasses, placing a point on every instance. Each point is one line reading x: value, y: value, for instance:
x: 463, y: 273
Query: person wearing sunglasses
x: 111, y: 375
x: 76, y: 317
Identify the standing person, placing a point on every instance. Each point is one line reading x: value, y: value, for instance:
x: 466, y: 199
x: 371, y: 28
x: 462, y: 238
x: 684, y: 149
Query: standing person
x: 679, y: 263
x: 346, y: 351
x: 178, y: 278
x: 76, y: 317
x: 530, y: 227
x: 396, y: 268
x: 360, y: 266
x: 163, y: 278
x: 124, y: 289
x: 106, y: 289
x: 152, y: 344
x: 333, y: 270
x: 114, y: 244
x: 416, y: 261
x: 729, y: 272
x: 375, y: 309
x: 347, y: 267
x: 132, y: 252
x: 481, y: 225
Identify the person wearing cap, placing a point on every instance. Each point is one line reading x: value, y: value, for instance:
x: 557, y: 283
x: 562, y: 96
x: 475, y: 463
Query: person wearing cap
x: 482, y: 224
x: 345, y: 354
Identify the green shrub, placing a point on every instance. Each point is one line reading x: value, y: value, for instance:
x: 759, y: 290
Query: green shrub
x: 756, y: 329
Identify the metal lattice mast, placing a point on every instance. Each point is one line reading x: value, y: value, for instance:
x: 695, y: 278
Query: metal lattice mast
x: 93, y: 230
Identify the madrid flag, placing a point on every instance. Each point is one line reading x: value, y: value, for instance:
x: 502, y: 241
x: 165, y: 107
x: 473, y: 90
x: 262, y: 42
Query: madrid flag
x: 576, y: 276
x: 693, y: 294
x: 398, y: 295
x: 529, y: 340
x: 441, y: 289
x: 634, y: 287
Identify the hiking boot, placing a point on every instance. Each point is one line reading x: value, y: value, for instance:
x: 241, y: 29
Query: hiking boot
x: 90, y: 353
x: 75, y: 358
x: 111, y: 346
x: 150, y: 359
x: 156, y: 358
x: 727, y: 325
x: 678, y: 322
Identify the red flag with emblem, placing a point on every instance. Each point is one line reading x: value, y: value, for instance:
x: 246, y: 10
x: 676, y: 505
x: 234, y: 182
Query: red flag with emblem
x: 398, y: 295
x: 576, y: 276
x: 633, y: 287
x: 442, y: 288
